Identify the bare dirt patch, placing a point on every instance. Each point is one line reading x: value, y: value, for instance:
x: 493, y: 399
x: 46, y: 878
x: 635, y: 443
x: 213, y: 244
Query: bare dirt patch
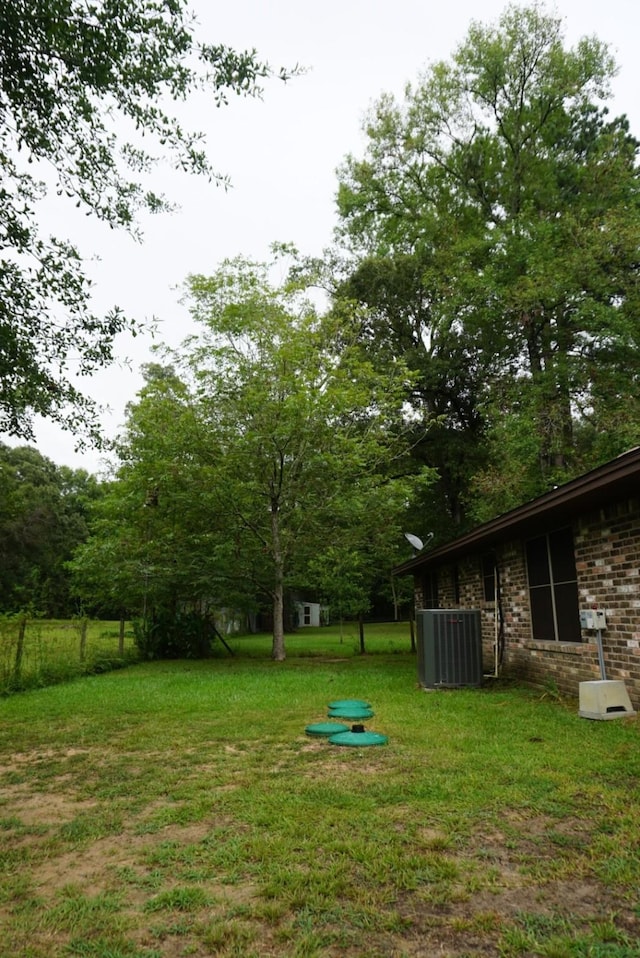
x: 46, y: 808
x: 20, y: 759
x: 93, y: 866
x: 467, y: 915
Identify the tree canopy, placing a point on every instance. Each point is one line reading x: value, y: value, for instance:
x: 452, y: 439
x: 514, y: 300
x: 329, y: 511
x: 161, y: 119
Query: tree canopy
x: 44, y: 513
x: 483, y: 326
x: 85, y: 112
x: 493, y: 229
x: 265, y: 442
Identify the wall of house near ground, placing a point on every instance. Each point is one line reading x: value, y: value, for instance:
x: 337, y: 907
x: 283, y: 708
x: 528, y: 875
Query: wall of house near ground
x: 552, y: 664
x: 459, y: 586
x: 608, y: 565
x: 607, y: 552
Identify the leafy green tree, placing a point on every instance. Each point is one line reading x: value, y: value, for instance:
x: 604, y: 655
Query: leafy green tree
x: 298, y: 421
x: 267, y: 432
x: 43, y: 518
x: 72, y: 73
x: 403, y: 319
x: 340, y: 574
x: 149, y: 552
x: 494, y: 226
x: 351, y: 567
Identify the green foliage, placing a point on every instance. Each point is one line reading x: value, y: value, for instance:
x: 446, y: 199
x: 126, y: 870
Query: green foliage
x: 69, y: 70
x: 493, y: 227
x: 35, y: 653
x: 265, y: 437
x: 228, y: 828
x: 174, y: 634
x: 339, y: 572
x: 43, y: 518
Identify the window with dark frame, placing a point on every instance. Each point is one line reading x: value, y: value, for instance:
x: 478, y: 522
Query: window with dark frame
x: 553, y: 587
x: 430, y: 590
x: 489, y: 577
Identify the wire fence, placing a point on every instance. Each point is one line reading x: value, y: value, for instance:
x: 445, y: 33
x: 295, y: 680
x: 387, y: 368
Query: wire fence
x: 37, y: 652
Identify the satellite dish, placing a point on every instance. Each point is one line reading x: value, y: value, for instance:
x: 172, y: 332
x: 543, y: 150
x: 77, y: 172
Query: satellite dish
x: 414, y: 540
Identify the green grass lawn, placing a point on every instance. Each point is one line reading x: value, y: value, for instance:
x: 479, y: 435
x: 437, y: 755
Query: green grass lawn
x: 178, y: 808
x: 50, y: 650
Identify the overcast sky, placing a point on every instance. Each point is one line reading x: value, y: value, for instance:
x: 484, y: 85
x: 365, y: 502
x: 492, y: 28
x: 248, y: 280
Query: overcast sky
x: 282, y: 152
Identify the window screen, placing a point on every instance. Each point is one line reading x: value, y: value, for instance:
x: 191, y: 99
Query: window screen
x: 553, y: 587
x: 430, y: 590
x: 489, y: 577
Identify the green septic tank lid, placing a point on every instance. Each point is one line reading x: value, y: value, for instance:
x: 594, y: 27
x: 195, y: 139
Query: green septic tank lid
x: 355, y: 712
x: 325, y: 729
x: 350, y: 704
x: 358, y: 739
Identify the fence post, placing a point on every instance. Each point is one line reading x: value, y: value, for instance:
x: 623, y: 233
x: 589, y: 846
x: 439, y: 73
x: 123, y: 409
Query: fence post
x: 22, y: 628
x: 84, y: 622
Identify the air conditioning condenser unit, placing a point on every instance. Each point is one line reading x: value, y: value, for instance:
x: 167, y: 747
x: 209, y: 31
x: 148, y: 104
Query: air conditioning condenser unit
x: 449, y: 648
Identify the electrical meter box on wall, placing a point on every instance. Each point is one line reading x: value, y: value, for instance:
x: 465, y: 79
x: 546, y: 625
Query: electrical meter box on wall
x: 593, y: 619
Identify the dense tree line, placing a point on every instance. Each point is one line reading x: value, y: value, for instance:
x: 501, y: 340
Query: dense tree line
x: 263, y: 448
x: 492, y: 234
x: 481, y: 345
x: 44, y: 511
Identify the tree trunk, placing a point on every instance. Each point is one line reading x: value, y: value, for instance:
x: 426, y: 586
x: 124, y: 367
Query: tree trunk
x: 394, y: 593
x: 121, y: 637
x: 278, y: 651
x: 562, y: 420
x: 549, y: 346
x: 361, y: 630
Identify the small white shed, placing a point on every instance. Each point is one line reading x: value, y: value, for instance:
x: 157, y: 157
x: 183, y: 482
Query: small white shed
x: 307, y: 613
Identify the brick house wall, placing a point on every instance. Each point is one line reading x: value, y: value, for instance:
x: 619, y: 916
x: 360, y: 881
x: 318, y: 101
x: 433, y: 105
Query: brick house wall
x: 607, y: 554
x: 608, y: 564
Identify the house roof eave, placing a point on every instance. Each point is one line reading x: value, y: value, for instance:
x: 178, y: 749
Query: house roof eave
x: 615, y: 479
